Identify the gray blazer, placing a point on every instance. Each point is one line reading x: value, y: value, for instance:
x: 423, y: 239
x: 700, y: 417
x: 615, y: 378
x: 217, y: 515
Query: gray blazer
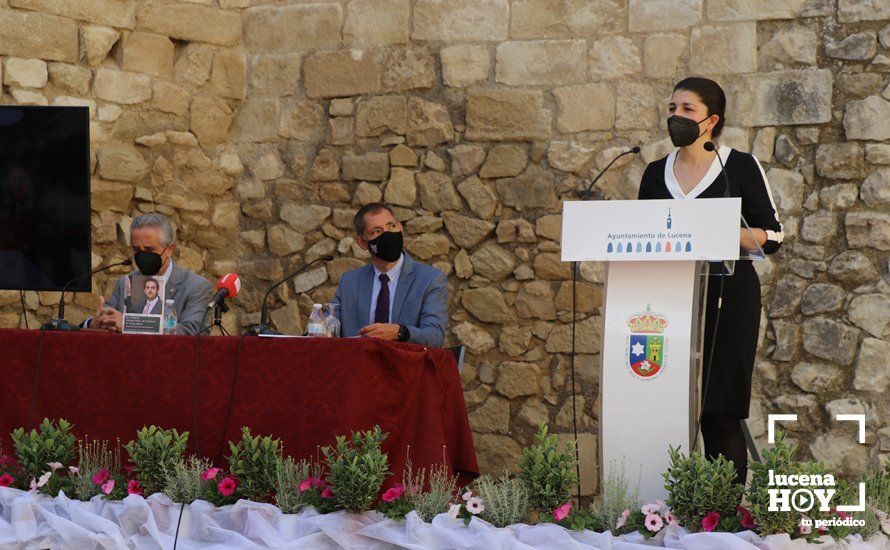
x: 420, y: 303
x: 190, y: 294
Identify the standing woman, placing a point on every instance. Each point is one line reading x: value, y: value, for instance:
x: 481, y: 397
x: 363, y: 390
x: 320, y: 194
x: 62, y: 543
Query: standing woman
x: 697, y: 109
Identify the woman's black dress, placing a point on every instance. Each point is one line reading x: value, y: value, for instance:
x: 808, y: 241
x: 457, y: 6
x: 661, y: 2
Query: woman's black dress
x: 729, y: 385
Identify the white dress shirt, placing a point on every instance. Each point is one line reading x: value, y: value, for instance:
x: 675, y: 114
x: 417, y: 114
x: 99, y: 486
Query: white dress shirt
x: 393, y: 275
x: 149, y: 306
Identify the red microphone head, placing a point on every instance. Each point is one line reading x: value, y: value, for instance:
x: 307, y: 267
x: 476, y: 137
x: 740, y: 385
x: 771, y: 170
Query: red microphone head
x: 230, y: 282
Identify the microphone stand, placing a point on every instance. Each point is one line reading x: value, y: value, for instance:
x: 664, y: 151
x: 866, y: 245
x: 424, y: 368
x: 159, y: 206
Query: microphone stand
x: 585, y: 196
x: 59, y: 323
x: 263, y: 327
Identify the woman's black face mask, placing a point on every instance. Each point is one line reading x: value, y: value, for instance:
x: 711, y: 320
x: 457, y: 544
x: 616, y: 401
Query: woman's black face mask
x: 683, y: 131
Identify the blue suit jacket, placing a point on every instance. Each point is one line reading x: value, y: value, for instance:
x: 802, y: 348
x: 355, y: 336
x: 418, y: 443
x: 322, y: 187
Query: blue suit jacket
x: 420, y: 303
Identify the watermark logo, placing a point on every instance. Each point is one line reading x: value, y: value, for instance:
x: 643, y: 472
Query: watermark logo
x: 803, y: 493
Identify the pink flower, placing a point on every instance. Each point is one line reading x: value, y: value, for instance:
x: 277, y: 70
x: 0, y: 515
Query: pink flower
x: 393, y: 494
x: 650, y: 509
x: 304, y: 485
x: 328, y: 493
x: 475, y: 505
x: 454, y: 511
x: 747, y: 518
x: 622, y: 520
x: 806, y: 526
x: 227, y: 486
x: 467, y: 496
x: 74, y: 470
x: 654, y: 523
x: 562, y: 512
x: 101, y: 476
x: 843, y: 515
x: 43, y: 479
x: 134, y: 487
x: 709, y: 522
x: 670, y: 518
x: 209, y: 473
x: 108, y: 486
x: 6, y: 480
x: 311, y: 483
x: 54, y: 465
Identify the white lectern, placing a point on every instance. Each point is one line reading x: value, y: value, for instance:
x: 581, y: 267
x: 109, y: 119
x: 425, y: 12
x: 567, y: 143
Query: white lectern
x: 653, y: 320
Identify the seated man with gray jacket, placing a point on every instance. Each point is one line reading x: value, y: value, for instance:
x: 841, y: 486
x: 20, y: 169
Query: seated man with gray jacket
x: 151, y: 238
x: 394, y: 297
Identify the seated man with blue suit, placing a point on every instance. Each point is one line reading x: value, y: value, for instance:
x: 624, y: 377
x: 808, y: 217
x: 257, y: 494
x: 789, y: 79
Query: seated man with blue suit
x: 394, y: 297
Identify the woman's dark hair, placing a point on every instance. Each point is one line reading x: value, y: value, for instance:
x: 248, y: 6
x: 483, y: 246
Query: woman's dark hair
x: 711, y: 94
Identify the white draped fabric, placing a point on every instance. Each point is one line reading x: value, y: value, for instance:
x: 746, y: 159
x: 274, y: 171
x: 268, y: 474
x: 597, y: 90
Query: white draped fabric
x: 31, y: 521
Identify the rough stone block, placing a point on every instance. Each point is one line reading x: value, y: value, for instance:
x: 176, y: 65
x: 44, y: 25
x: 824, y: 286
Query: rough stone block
x: 756, y: 10
x: 542, y: 62
x: 117, y: 13
x: 190, y: 22
x: 795, y: 45
x: 507, y: 115
x: 257, y: 120
x: 121, y: 163
x: 785, y: 98
x: 148, y: 53
x: 613, y: 57
x: 868, y: 229
x: 429, y: 123
x: 376, y: 23
x: 868, y: 119
x: 25, y: 73
x: 663, y: 15
x: 71, y: 77
x: 36, y: 35
x: 211, y: 119
x: 342, y: 73
x: 663, y: 55
x: 121, y: 87
x: 464, y: 65
x: 97, y: 42
x: 584, y: 108
x: 853, y: 11
x: 301, y: 120
x: 378, y: 115
x: 275, y: 75
x: 461, y: 20
x: 564, y: 18
x: 723, y: 49
x: 228, y: 74
x: 287, y: 29
x: 367, y: 167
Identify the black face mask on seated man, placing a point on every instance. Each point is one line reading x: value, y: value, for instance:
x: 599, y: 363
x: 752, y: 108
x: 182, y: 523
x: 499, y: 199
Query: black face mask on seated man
x: 149, y: 263
x: 683, y: 131
x: 387, y: 246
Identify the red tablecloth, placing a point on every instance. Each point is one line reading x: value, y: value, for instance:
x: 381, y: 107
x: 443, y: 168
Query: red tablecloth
x: 304, y: 391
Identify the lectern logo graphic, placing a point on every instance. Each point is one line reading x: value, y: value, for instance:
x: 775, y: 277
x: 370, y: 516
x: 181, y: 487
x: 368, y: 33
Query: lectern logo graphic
x: 646, y: 344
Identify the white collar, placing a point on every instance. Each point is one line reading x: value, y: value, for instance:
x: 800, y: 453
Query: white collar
x: 673, y: 185
x: 393, y: 273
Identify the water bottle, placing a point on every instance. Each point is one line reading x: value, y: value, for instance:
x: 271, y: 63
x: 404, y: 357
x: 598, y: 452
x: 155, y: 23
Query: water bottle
x: 316, y: 322
x: 331, y: 323
x: 169, y: 321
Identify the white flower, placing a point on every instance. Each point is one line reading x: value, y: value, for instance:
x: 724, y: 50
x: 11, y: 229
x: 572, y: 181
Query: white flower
x: 622, y: 520
x: 43, y: 479
x: 650, y: 509
x: 475, y: 506
x: 805, y: 527
x: 454, y: 511
x: 662, y: 506
x: 468, y: 495
x: 671, y: 518
x: 74, y: 470
x: 54, y: 465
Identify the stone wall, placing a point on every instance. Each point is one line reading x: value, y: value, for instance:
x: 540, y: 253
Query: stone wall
x: 260, y: 127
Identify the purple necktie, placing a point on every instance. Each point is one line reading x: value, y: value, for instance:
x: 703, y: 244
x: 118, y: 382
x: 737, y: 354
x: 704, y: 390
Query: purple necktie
x: 381, y: 313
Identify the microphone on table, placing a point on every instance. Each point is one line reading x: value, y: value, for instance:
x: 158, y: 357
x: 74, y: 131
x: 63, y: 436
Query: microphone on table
x: 228, y: 287
x: 585, y: 194
x: 263, y: 327
x: 59, y: 323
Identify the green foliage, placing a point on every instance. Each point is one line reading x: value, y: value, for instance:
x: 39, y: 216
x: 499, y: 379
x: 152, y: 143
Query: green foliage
x: 697, y: 486
x: 396, y: 509
x: 877, y: 488
x: 51, y: 442
x: 616, y: 497
x: 253, y: 460
x: 357, y: 469
x: 434, y: 501
x: 579, y: 519
x: 92, y: 457
x: 182, y: 481
x: 288, y: 475
x: 155, y: 452
x: 506, y: 500
x: 548, y: 474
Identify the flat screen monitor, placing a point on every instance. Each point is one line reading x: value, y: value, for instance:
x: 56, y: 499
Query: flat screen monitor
x: 44, y: 198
